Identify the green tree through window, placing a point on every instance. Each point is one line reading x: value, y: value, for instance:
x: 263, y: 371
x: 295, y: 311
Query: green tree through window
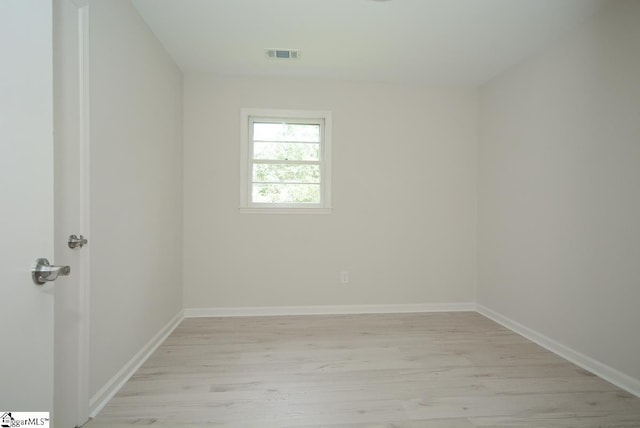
x: 286, y: 163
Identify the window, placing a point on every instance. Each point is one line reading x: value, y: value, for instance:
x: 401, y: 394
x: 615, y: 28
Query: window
x: 285, y: 165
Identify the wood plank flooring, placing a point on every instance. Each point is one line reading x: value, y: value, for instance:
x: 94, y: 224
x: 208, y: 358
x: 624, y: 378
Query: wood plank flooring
x: 436, y: 370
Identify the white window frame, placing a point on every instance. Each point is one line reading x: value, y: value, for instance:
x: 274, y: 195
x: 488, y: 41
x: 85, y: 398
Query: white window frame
x: 246, y: 161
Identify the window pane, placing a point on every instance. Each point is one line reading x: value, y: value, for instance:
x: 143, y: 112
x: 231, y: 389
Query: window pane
x: 286, y: 193
x: 278, y: 173
x: 286, y: 132
x: 286, y: 151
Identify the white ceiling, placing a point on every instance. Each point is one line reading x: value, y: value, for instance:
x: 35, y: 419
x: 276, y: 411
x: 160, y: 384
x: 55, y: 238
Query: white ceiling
x: 452, y: 42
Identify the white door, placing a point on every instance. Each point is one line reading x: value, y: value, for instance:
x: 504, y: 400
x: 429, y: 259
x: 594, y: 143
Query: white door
x: 71, y: 172
x: 26, y: 204
x: 43, y: 356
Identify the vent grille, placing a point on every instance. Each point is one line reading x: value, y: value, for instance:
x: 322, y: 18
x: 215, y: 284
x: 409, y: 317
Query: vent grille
x: 280, y: 54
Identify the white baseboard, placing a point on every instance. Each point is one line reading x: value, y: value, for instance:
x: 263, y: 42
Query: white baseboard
x: 328, y: 310
x: 619, y: 379
x: 106, y: 393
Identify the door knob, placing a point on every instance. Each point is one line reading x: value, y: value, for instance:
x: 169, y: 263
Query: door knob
x: 77, y: 241
x: 42, y: 271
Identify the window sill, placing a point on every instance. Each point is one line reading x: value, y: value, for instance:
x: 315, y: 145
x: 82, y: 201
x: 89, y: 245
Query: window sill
x: 304, y: 211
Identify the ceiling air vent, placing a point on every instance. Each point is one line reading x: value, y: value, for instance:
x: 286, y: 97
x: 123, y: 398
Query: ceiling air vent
x: 283, y: 53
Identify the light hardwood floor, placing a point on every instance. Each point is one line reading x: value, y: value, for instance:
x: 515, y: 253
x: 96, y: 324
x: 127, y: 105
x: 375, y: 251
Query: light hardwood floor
x: 437, y: 370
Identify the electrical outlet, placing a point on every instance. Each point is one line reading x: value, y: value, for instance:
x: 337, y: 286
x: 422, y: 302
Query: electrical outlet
x: 344, y: 277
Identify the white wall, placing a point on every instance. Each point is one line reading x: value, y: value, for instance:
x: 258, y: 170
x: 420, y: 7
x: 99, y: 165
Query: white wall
x: 559, y: 191
x: 136, y: 187
x: 404, y: 198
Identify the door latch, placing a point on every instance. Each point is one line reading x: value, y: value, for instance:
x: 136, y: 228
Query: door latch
x: 77, y: 241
